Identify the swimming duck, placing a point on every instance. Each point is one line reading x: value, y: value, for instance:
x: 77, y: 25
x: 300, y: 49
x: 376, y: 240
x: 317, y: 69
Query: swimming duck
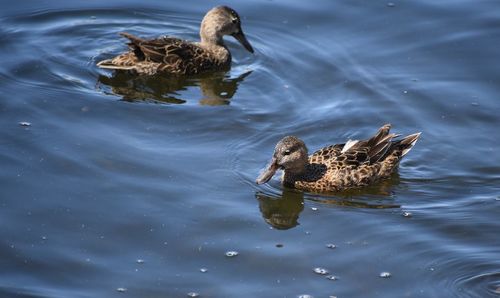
x: 177, y: 56
x: 338, y: 167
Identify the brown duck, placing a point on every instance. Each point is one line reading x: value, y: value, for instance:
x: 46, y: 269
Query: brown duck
x: 338, y: 167
x: 177, y: 56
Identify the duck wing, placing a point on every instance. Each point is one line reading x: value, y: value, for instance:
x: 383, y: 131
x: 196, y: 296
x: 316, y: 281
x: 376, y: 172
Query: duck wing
x: 335, y: 156
x: 377, y: 146
x: 381, y: 150
x: 174, y: 54
x: 326, y: 153
x: 356, y: 153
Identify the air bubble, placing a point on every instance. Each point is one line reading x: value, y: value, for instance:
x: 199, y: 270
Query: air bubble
x: 231, y: 253
x: 320, y: 271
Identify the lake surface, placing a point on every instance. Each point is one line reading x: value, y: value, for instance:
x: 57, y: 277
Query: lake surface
x: 131, y: 187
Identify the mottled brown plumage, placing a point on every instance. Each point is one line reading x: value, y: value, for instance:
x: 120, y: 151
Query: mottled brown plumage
x: 338, y: 167
x: 177, y: 56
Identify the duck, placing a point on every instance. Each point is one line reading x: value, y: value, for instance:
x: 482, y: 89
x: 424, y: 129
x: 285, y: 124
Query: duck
x: 339, y: 167
x: 180, y: 57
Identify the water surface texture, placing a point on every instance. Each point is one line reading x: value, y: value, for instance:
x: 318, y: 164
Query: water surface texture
x: 138, y: 187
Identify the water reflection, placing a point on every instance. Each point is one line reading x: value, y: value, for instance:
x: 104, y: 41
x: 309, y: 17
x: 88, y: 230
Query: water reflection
x: 376, y: 196
x: 382, y: 190
x: 282, y: 212
x: 216, y: 88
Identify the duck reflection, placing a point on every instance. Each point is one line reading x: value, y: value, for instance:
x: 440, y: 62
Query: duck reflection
x: 216, y: 88
x: 282, y: 212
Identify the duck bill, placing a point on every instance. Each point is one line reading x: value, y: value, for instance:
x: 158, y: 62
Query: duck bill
x: 268, y: 173
x: 243, y: 40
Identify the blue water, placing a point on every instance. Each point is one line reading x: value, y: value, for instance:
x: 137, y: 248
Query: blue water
x: 127, y: 187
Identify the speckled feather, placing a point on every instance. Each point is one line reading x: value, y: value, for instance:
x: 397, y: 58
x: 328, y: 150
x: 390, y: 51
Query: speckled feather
x: 170, y: 55
x: 333, y: 168
x: 176, y: 56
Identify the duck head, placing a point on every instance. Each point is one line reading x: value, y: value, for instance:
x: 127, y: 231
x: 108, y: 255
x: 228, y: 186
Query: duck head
x: 289, y: 155
x: 220, y: 21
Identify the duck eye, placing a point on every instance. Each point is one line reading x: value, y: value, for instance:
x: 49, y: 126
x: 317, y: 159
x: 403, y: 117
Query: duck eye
x: 234, y: 21
x: 286, y: 152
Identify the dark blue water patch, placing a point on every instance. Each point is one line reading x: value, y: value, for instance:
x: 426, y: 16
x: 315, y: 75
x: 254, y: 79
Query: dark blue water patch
x: 103, y: 178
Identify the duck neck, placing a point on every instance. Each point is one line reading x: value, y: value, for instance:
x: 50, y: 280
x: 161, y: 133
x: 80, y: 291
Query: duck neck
x: 295, y: 174
x: 210, y: 35
x: 211, y: 40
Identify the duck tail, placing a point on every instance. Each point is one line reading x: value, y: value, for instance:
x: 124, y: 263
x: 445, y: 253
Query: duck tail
x: 133, y: 39
x: 381, y: 133
x: 110, y: 64
x: 395, y: 153
x: 407, y: 143
x: 128, y: 60
x: 380, y: 143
